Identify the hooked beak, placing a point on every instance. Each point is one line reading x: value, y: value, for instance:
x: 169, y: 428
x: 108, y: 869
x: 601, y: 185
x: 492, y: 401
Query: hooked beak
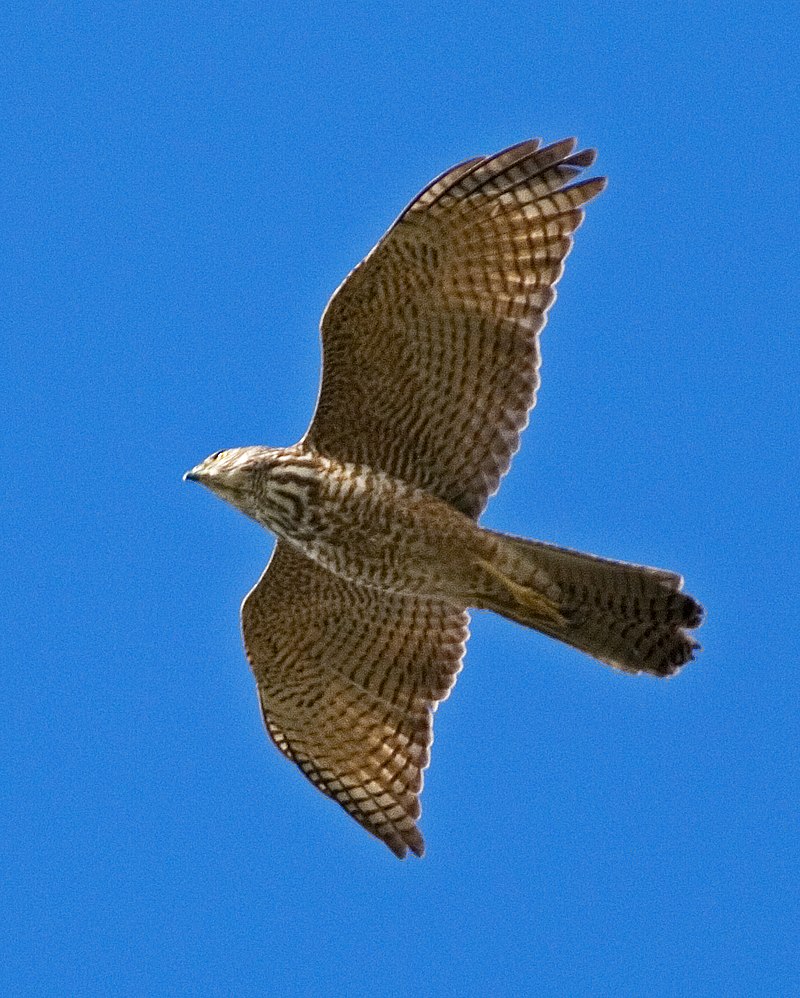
x: 192, y: 476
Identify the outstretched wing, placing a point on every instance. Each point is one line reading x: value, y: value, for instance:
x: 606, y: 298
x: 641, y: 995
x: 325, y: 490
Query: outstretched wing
x: 348, y: 680
x: 430, y: 346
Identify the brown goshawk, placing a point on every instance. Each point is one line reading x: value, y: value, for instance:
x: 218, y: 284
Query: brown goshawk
x: 357, y: 628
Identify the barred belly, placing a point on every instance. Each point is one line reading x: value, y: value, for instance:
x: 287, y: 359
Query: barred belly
x: 371, y: 528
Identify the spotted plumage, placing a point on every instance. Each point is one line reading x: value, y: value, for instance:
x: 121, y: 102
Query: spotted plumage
x: 357, y: 628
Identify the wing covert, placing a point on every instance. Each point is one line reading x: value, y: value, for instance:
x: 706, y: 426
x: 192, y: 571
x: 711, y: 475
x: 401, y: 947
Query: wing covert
x: 348, y: 679
x: 430, y: 346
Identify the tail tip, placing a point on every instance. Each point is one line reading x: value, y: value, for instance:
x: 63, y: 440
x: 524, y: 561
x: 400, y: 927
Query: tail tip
x: 682, y: 651
x: 692, y: 613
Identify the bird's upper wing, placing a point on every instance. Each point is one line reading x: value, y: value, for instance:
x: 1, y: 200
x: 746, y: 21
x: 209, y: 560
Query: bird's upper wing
x: 348, y: 680
x: 430, y: 346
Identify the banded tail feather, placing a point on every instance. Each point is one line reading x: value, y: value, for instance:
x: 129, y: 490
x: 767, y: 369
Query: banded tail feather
x: 631, y: 617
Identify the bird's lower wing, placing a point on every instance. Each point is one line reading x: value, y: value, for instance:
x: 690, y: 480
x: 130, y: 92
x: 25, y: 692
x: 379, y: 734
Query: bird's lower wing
x: 348, y: 679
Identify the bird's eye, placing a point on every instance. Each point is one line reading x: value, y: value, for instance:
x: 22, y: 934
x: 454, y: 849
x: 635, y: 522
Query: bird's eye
x: 219, y: 454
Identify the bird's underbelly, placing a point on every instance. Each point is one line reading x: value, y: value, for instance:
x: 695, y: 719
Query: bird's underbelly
x: 411, y: 567
x: 420, y: 547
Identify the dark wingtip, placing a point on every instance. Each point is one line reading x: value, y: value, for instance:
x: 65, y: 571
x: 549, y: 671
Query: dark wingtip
x: 589, y: 189
x: 583, y: 158
x: 416, y: 843
x: 411, y: 840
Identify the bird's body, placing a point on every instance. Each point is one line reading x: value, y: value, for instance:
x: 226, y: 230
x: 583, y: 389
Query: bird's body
x: 365, y: 526
x: 357, y: 627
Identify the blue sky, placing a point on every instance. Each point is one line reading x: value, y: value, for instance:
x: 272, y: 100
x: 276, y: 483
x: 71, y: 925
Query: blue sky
x: 184, y: 186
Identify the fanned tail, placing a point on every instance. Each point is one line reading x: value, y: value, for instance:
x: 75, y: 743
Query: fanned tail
x: 631, y: 617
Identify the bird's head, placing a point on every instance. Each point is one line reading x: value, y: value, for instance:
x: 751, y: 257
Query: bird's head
x: 265, y: 483
x: 233, y: 474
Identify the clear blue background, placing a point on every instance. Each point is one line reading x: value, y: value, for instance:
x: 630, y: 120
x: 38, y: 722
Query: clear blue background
x: 183, y: 186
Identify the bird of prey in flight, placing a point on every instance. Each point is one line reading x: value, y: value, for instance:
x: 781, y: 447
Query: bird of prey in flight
x: 357, y: 628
